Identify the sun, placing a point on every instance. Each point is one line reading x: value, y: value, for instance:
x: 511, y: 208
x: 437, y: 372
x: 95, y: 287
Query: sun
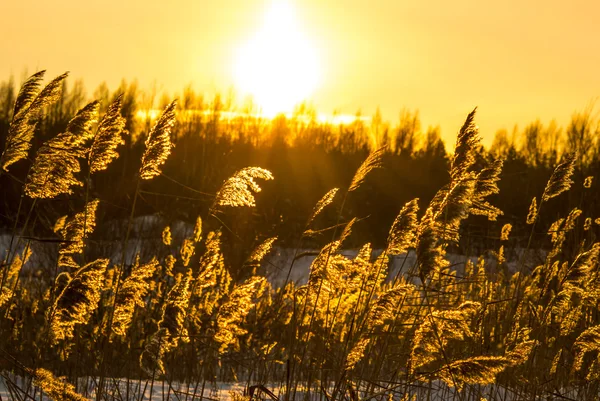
x: 278, y: 67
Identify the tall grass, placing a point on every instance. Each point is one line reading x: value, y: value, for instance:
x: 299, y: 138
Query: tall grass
x: 189, y: 314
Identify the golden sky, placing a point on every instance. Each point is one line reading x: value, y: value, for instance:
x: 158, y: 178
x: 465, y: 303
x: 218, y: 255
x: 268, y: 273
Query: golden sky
x: 516, y: 60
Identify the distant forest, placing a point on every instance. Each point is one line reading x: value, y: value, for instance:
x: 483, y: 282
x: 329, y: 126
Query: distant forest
x: 307, y: 159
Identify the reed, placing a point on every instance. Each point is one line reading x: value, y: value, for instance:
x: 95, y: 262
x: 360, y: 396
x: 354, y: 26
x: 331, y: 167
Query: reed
x: 190, y: 309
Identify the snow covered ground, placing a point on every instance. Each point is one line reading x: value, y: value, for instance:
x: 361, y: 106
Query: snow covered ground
x: 135, y: 390
x: 145, y: 239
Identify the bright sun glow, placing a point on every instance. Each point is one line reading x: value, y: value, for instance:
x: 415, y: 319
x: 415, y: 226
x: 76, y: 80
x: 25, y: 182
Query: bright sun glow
x: 278, y: 67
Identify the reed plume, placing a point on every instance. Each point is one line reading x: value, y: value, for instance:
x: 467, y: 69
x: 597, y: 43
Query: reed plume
x: 555, y: 362
x: 356, y: 353
x: 232, y: 313
x: 28, y: 92
x: 131, y: 294
x: 77, y: 301
x: 430, y: 254
x: 451, y: 205
x: 475, y: 370
x: 505, y: 233
x: 237, y: 190
x: 438, y: 329
x: 384, y: 308
x: 171, y: 327
x: 211, y: 283
x: 28, y: 107
x: 213, y: 253
x: 464, y: 150
x: 533, y: 211
x: 56, y: 163
x: 73, y: 231
x: 587, y: 342
x: 55, y: 388
x: 175, y: 311
x: 347, y: 231
x: 12, y: 276
x: 486, y: 184
x: 188, y: 247
x: 151, y: 359
x: 560, y: 180
x: 575, y: 288
x: 467, y: 190
x: 322, y: 204
x: 325, y: 279
x: 258, y: 254
x: 197, y: 235
x: 166, y: 236
x: 107, y: 138
x: 403, y: 231
x: 80, y: 126
x: 158, y: 143
x: 382, y: 311
x: 559, y: 230
x: 373, y: 161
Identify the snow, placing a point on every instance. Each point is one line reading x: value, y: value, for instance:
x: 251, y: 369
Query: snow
x: 139, y: 390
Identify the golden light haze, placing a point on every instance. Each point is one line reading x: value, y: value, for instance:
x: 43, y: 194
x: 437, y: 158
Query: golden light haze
x: 278, y: 66
x: 517, y: 61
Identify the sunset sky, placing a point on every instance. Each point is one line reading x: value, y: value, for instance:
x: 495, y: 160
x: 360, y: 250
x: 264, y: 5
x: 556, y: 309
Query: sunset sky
x: 518, y: 61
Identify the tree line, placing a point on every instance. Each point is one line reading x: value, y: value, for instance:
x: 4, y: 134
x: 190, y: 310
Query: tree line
x: 213, y: 138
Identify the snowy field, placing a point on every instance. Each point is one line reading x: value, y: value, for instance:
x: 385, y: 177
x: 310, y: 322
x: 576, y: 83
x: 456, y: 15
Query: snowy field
x: 135, y: 390
x: 146, y: 238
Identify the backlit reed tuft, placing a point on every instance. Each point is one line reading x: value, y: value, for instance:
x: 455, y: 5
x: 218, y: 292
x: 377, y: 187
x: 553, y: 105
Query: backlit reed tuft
x: 505, y: 233
x: 259, y: 253
x: 322, y: 204
x: 533, y: 211
x: 480, y: 370
x: 12, y: 276
x: 382, y: 311
x: 464, y: 150
x: 166, y: 236
x: 28, y: 107
x: 175, y: 310
x: 73, y: 231
x: 56, y: 163
x: 107, y: 137
x: 232, y: 313
x: 560, y: 180
x: 131, y: 294
x: 438, y: 329
x: 430, y: 254
x: 158, y: 144
x: 403, y: 231
x: 238, y: 189
x: 77, y: 301
x: 486, y: 184
x: 373, y: 161
x: 587, y: 342
x: 55, y: 388
x: 171, y: 327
